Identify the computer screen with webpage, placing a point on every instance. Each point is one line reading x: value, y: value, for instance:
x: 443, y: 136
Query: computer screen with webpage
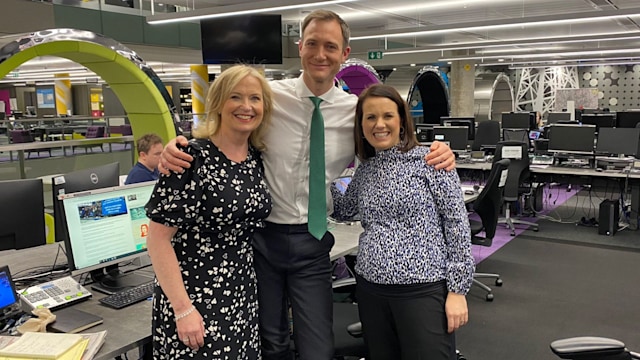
x: 107, y: 226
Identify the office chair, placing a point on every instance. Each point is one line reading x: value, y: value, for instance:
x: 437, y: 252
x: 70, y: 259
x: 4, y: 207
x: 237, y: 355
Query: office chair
x: 347, y: 329
x: 519, y: 174
x: 515, y: 135
x: 592, y: 348
x: 24, y: 136
x: 487, y: 135
x: 93, y: 132
x: 487, y: 206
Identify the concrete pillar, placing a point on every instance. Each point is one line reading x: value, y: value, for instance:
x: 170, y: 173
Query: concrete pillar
x: 64, y: 102
x: 462, y: 87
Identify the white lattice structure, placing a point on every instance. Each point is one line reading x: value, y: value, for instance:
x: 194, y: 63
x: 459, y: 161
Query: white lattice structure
x: 537, y: 86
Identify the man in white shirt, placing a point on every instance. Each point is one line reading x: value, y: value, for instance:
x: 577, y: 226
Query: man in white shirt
x: 293, y: 268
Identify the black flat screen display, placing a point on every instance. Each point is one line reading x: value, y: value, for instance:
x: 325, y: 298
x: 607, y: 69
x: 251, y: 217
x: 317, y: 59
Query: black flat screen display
x: 249, y: 39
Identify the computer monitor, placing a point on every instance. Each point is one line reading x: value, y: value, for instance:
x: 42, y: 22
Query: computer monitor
x: 424, y: 132
x: 522, y: 120
x: 21, y: 214
x: 107, y: 226
x: 572, y: 139
x: 618, y: 141
x: 9, y: 300
x: 554, y: 117
x: 456, y: 136
x: 82, y: 180
x: 599, y: 120
x: 627, y: 119
x: 469, y: 122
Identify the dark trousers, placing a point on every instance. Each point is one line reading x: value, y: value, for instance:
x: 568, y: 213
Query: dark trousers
x: 293, y: 268
x: 409, y: 326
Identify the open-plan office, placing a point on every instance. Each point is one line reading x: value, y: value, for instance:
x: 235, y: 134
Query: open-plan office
x: 461, y: 65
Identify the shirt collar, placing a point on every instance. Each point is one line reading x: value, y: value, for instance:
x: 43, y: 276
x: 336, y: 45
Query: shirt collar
x: 302, y: 91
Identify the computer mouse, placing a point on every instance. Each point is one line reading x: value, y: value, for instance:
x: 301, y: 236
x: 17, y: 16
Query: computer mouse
x: 469, y: 192
x: 599, y: 169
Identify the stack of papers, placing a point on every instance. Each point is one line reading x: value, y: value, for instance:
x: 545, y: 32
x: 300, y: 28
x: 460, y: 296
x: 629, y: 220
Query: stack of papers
x: 41, y: 346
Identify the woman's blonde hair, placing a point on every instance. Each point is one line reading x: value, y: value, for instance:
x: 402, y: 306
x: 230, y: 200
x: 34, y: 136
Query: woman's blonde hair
x: 220, y: 91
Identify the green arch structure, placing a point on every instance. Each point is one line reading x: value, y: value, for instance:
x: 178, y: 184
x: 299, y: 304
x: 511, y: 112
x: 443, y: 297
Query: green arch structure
x: 143, y: 102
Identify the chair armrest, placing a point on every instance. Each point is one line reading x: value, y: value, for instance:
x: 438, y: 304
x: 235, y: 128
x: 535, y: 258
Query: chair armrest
x: 355, y: 329
x: 587, y: 347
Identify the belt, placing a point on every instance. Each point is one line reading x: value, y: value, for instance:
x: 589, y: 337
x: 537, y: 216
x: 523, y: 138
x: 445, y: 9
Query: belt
x: 287, y: 228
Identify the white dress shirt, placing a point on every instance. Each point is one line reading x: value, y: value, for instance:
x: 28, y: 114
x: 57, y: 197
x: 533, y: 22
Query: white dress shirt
x: 286, y: 159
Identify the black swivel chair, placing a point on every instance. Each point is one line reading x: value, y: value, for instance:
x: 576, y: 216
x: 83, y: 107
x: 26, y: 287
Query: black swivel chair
x: 515, y: 135
x: 517, y: 180
x: 487, y: 206
x: 347, y: 329
x: 487, y: 136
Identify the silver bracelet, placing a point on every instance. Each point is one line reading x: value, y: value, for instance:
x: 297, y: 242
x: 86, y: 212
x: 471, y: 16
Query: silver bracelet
x: 186, y: 313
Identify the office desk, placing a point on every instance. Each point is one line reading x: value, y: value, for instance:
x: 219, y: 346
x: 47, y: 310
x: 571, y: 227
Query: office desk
x: 573, y: 175
x: 21, y: 147
x: 130, y: 327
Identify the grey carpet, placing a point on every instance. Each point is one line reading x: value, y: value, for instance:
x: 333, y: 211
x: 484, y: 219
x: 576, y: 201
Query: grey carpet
x: 552, y: 290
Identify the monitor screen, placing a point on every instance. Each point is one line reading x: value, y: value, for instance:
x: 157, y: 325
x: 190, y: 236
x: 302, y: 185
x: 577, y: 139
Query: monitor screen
x: 106, y: 226
x: 627, y: 119
x: 424, y: 133
x: 81, y: 180
x: 469, y: 122
x: 618, y: 141
x: 21, y: 214
x: 518, y: 121
x: 252, y: 39
x: 456, y: 136
x: 578, y: 139
x: 554, y: 117
x: 9, y: 304
x: 599, y: 120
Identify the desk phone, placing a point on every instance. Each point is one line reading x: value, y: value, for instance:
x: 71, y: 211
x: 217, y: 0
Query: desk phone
x: 54, y: 294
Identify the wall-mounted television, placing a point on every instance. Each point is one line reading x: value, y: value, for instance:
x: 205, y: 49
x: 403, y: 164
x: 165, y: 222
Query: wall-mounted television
x: 249, y: 39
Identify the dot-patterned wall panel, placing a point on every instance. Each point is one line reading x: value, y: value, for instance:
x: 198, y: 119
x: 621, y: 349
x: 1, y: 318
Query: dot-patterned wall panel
x: 618, y: 86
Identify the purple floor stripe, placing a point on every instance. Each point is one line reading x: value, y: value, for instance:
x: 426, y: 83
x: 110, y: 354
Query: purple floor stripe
x: 503, y: 234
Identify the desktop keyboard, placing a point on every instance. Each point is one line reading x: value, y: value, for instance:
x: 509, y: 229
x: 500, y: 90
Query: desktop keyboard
x: 129, y: 296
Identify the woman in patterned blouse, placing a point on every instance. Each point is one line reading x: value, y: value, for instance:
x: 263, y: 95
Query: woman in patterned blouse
x: 202, y: 221
x: 414, y: 264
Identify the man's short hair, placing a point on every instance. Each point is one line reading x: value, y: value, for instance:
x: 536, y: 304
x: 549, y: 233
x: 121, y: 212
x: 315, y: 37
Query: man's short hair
x: 146, y: 142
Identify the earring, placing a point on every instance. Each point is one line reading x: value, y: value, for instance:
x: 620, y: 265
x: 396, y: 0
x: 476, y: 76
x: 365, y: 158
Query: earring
x: 401, y: 131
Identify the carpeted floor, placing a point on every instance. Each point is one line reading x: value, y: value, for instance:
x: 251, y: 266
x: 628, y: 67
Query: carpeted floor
x: 553, y: 289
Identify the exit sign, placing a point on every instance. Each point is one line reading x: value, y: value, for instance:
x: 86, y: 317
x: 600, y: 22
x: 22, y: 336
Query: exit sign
x: 375, y: 55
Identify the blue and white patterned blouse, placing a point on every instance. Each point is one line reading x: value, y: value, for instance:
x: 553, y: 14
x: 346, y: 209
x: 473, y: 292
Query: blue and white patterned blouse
x: 416, y: 228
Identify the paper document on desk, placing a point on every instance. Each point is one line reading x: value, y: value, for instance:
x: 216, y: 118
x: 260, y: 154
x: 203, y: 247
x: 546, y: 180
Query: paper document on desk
x: 37, y: 345
x: 94, y: 342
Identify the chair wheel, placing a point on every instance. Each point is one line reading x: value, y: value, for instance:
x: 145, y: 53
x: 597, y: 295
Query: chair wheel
x: 498, y: 282
x: 489, y: 297
x: 535, y: 229
x: 513, y: 233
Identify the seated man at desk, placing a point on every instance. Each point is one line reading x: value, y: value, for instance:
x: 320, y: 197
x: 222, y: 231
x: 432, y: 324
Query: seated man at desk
x: 146, y: 169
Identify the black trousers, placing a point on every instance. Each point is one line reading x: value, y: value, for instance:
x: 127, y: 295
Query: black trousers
x: 293, y: 268
x: 405, y: 322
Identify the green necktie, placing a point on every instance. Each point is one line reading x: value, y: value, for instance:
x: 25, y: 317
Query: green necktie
x: 317, y: 222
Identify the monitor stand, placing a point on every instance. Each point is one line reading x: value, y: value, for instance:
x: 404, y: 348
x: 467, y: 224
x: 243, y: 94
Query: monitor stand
x: 110, y: 279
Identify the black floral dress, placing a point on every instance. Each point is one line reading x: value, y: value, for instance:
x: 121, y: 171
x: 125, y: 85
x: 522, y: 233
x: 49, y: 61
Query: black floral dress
x: 216, y: 206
